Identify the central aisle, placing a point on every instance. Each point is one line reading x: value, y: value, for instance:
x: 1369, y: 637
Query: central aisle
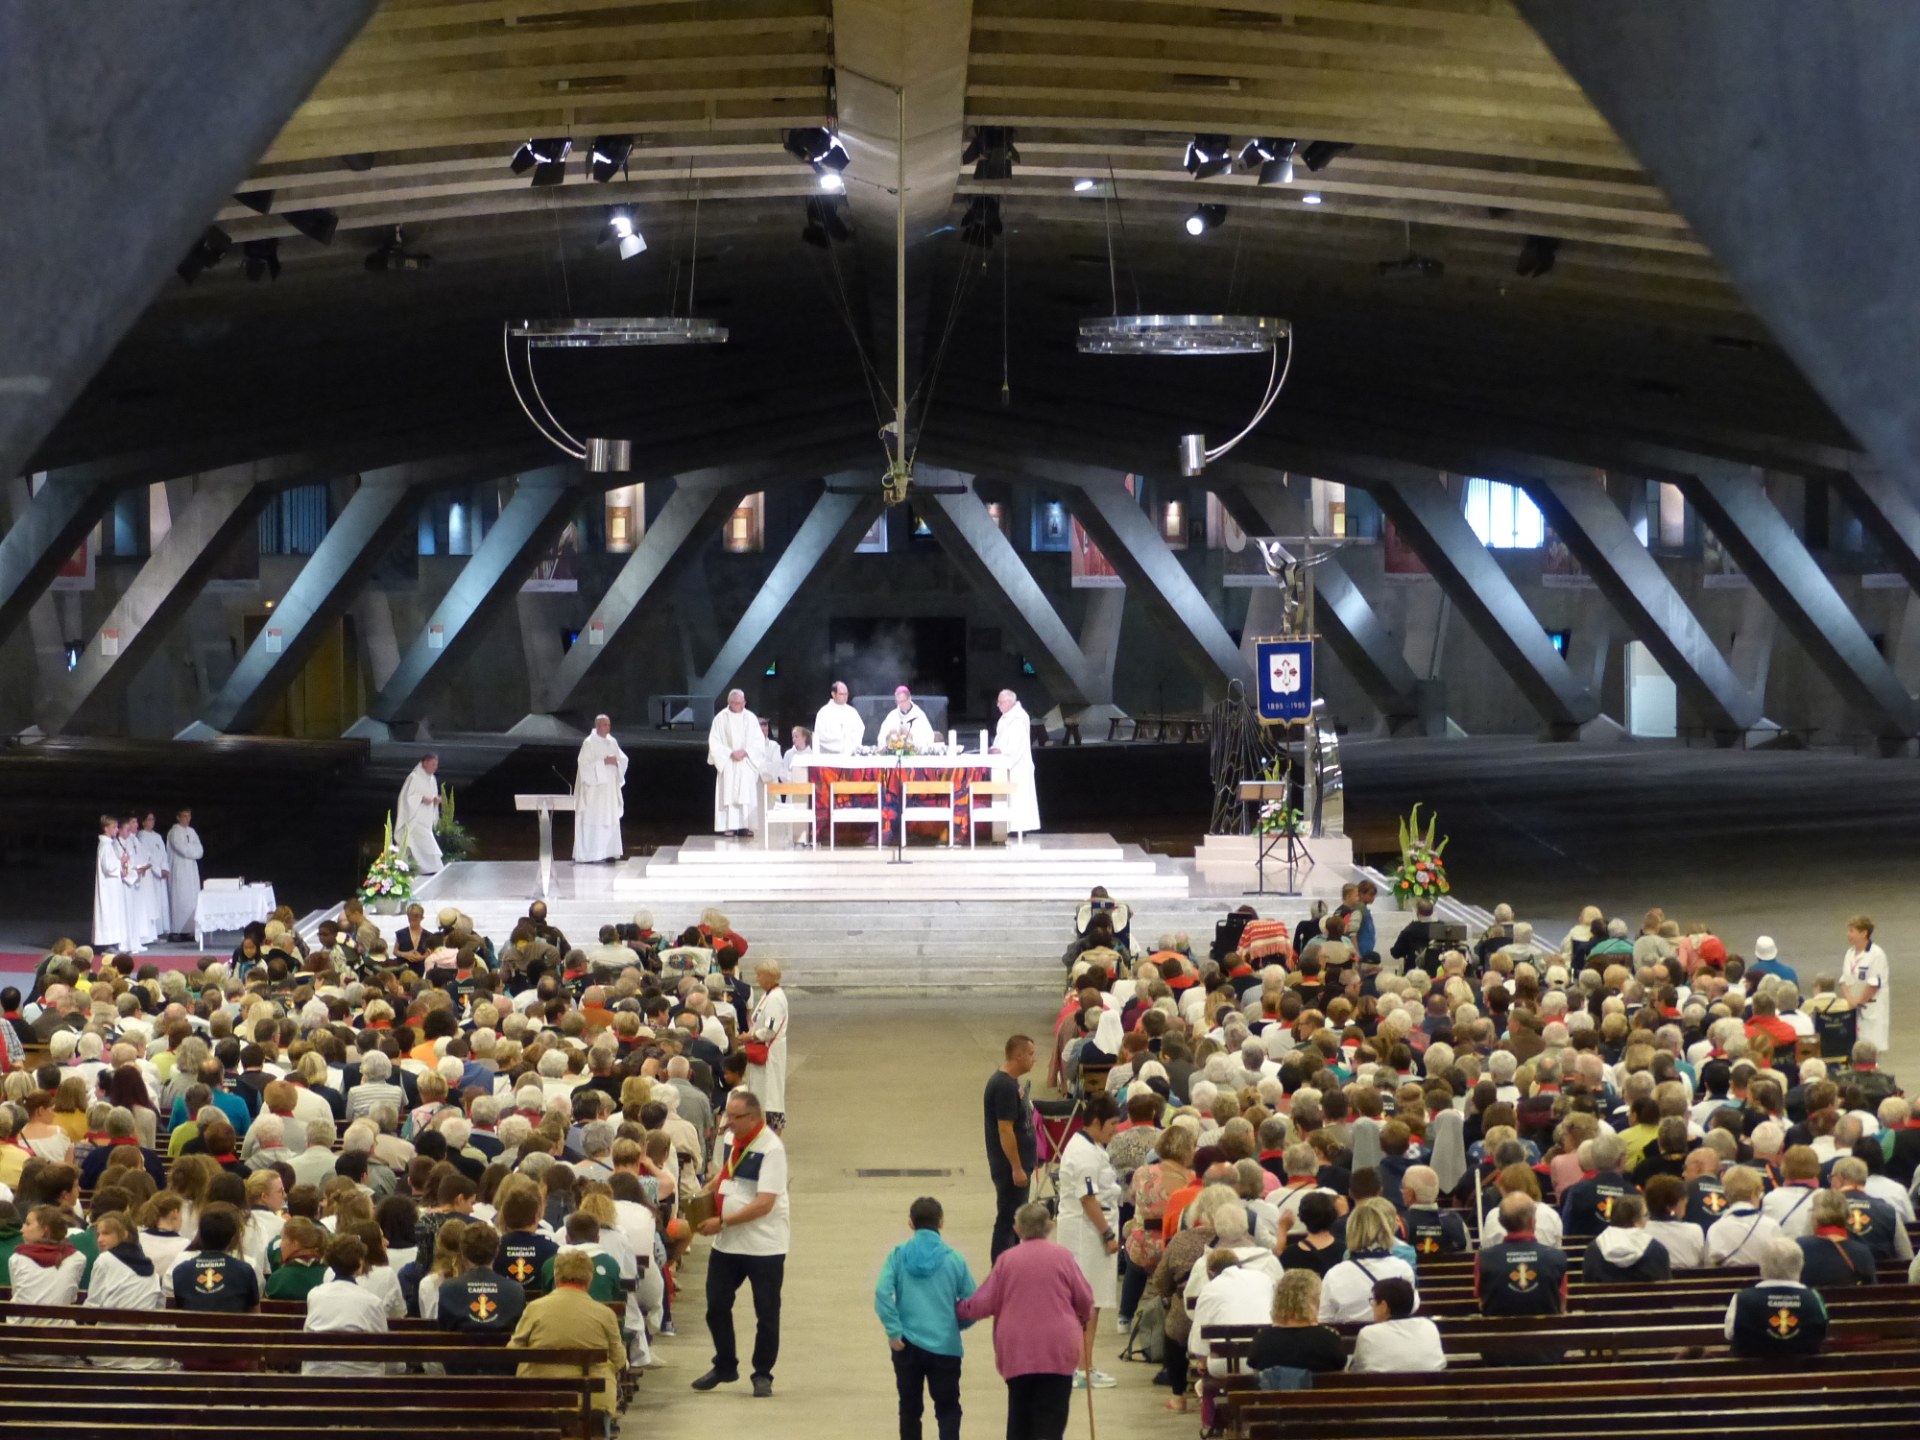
x: 877, y: 1084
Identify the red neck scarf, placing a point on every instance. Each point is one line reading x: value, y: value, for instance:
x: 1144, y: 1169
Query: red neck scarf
x: 732, y: 1163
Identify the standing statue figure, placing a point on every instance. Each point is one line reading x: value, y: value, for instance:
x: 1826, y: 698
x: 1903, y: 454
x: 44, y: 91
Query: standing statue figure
x: 1242, y: 749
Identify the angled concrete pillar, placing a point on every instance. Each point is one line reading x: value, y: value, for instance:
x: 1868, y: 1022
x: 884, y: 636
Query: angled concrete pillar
x: 1353, y: 630
x: 698, y: 506
x: 1431, y: 520
x: 973, y: 542
x: 222, y: 508
x: 1752, y: 528
x: 1100, y: 641
x: 1593, y: 527
x: 542, y: 503
x: 825, y: 538
x: 1888, y: 509
x: 149, y: 115
x: 44, y: 536
x: 326, y: 585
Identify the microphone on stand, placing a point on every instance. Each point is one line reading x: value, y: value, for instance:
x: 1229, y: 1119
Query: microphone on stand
x: 563, y: 779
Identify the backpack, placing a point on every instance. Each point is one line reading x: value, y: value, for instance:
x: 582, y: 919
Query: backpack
x: 1148, y: 1338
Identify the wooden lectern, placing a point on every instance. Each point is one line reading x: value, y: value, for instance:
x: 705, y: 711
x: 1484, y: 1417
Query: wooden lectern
x: 545, y: 805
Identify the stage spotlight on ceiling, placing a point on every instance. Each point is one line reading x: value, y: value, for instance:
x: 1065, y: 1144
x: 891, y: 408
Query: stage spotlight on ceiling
x: 1312, y: 197
x: 546, y: 158
x: 205, y: 254
x: 261, y: 259
x: 621, y: 230
x: 258, y: 201
x: 819, y: 147
x: 1082, y: 186
x: 609, y: 157
x: 826, y: 225
x: 981, y: 226
x: 359, y: 162
x: 391, y: 254
x: 832, y: 184
x: 1320, y: 153
x: 1205, y: 218
x: 991, y: 153
x: 1208, y: 155
x: 1537, y: 253
x: 316, y: 225
x: 1272, y: 158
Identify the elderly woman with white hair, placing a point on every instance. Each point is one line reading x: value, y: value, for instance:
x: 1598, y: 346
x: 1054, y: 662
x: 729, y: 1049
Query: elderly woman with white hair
x: 376, y: 1087
x: 766, y: 1045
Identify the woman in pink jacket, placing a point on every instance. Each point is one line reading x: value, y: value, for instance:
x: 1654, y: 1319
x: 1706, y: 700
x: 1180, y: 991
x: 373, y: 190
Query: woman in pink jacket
x: 1041, y: 1304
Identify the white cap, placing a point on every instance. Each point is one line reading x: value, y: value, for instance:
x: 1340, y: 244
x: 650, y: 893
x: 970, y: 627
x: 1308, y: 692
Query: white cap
x: 1765, y: 949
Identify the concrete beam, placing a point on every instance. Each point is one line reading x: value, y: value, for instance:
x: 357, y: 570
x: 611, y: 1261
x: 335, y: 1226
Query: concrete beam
x: 541, y: 506
x: 973, y: 542
x: 1887, y: 509
x: 321, y: 593
x: 1585, y: 517
x: 223, y: 506
x: 1431, y: 520
x: 130, y: 111
x: 1752, y: 528
x: 825, y: 538
x: 1738, y: 109
x: 44, y: 536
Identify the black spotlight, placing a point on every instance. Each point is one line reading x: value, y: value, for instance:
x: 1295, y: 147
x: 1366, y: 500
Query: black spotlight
x: 258, y: 201
x: 391, y: 254
x: 1209, y: 155
x: 546, y: 158
x: 1205, y: 218
x: 316, y: 225
x: 1272, y: 158
x: 981, y: 226
x: 360, y: 162
x: 1320, y: 153
x: 261, y: 259
x: 819, y: 147
x: 1537, y: 253
x: 205, y: 254
x: 991, y: 153
x: 609, y: 157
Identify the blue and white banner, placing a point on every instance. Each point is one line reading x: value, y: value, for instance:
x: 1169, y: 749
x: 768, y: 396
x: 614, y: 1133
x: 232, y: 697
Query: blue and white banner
x: 1285, y: 675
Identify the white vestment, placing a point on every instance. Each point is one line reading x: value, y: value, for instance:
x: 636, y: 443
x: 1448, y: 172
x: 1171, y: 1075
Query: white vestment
x: 111, y: 894
x: 838, y: 729
x: 142, y: 924
x: 913, y: 720
x: 736, y: 783
x: 1013, y: 738
x: 414, y: 818
x: 184, y: 853
x: 153, y: 851
x: 598, y: 801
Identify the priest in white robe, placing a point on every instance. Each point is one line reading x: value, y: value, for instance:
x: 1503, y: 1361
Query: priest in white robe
x: 111, y: 889
x: 908, y: 717
x: 1013, y: 737
x: 416, y: 815
x: 143, y: 920
x: 152, y: 848
x: 184, y: 854
x: 838, y: 728
x: 598, y: 800
x: 734, y: 750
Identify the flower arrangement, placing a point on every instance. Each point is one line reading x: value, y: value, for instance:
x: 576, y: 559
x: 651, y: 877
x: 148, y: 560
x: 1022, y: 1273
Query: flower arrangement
x: 455, y: 840
x: 390, y: 881
x: 1423, y: 872
x: 901, y: 743
x: 1279, y: 818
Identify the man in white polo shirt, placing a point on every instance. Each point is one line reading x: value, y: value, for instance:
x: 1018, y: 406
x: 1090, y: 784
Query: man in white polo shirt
x: 750, y: 1229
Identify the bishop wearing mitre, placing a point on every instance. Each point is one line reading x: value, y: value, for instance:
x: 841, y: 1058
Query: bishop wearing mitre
x: 416, y: 815
x: 1013, y: 738
x: 838, y: 728
x: 598, y: 802
x: 908, y: 717
x: 734, y: 744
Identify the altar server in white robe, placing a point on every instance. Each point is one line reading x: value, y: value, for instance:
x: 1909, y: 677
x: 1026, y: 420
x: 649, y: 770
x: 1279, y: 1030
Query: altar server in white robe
x: 909, y: 717
x: 734, y: 742
x: 153, y: 851
x: 143, y: 919
x: 184, y: 854
x: 416, y: 815
x: 1013, y: 737
x: 838, y: 728
x: 597, y: 796
x: 112, y: 890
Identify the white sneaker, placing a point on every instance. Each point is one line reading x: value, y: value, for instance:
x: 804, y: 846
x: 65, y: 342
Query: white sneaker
x: 1100, y: 1380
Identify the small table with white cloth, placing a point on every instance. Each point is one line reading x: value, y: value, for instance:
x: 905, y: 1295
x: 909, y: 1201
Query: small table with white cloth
x: 231, y: 905
x: 963, y: 769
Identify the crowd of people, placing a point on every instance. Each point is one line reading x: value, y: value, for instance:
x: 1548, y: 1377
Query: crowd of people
x: 521, y: 1141
x: 1281, y: 1131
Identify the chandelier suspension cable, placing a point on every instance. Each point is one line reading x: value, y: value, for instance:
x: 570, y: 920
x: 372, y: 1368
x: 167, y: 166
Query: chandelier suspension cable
x: 1276, y: 381
x: 574, y: 448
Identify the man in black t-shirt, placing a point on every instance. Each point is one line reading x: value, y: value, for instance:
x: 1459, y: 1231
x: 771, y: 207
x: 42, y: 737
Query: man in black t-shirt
x: 1011, y: 1151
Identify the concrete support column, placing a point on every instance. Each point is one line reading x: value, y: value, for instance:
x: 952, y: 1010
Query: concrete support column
x: 43, y: 537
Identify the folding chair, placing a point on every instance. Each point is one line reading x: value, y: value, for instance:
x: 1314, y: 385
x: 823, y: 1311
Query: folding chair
x: 999, y: 797
x: 854, y: 814
x: 923, y: 791
x: 789, y: 805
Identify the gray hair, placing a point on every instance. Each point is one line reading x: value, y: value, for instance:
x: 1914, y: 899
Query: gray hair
x: 553, y: 1064
x: 514, y: 1131
x: 596, y: 1138
x: 269, y: 1132
x: 321, y: 1133
x: 1031, y: 1221
x: 485, y: 1110
x: 376, y: 1067
x: 1781, y: 1259
x: 458, y: 1131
